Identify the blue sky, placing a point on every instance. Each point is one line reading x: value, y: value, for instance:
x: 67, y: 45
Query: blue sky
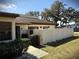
x: 24, y: 6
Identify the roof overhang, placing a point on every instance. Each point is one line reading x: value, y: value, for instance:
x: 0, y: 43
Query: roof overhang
x: 41, y: 23
x: 10, y: 15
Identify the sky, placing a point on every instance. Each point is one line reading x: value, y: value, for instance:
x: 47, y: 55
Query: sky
x: 24, y: 6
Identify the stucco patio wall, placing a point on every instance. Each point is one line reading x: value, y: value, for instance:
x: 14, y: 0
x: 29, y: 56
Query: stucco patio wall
x: 50, y: 35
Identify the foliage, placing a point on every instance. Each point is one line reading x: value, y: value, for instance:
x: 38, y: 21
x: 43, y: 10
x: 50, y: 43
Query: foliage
x: 55, y: 12
x: 58, y: 12
x: 33, y: 13
x: 11, y: 49
x: 25, y: 43
x: 76, y: 15
x: 35, y: 40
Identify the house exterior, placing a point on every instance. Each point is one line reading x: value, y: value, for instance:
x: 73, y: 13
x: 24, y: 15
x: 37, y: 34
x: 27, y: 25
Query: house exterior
x: 7, y: 26
x: 13, y: 26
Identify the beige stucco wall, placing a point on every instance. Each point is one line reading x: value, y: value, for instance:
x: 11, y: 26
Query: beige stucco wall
x: 6, y: 19
x: 49, y: 35
x: 23, y: 28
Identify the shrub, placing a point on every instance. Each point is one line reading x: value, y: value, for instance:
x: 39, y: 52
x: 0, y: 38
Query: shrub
x: 35, y: 40
x: 11, y: 49
x: 25, y: 43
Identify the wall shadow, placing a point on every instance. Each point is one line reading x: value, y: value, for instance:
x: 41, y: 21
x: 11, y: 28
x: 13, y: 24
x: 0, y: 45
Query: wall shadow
x: 39, y: 46
x: 58, y: 42
x: 63, y: 41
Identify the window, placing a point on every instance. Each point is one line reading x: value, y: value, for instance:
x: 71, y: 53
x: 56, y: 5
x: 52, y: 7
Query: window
x: 5, y: 31
x: 40, y: 26
x: 45, y: 27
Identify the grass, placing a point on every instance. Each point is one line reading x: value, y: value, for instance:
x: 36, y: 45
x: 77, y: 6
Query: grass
x: 69, y: 49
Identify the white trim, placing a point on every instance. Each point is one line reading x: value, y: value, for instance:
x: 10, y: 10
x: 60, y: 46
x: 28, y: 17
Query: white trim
x: 13, y: 31
x: 12, y: 20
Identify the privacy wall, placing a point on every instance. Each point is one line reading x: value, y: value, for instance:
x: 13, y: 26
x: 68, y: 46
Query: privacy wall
x: 50, y: 35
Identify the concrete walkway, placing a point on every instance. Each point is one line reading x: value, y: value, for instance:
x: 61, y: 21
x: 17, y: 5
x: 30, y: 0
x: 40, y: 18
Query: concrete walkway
x: 36, y: 52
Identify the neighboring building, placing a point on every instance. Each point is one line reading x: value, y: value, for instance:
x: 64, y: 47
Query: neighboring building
x: 30, y: 26
x: 7, y: 26
x: 34, y: 23
x: 27, y: 24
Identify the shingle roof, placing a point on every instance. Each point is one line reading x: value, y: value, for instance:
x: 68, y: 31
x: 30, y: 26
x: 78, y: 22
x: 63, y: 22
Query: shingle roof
x: 32, y: 20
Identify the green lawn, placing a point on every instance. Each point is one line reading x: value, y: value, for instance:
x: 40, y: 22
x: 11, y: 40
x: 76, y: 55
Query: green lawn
x: 67, y: 50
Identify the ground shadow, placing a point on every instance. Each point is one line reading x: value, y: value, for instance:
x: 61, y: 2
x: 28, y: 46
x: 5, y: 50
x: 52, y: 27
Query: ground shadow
x: 26, y: 56
x: 39, y: 46
x: 63, y: 41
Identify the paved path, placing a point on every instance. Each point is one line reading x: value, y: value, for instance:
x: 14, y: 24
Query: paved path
x: 36, y: 52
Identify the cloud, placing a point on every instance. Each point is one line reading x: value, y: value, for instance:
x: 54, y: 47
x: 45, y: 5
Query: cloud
x: 7, y: 5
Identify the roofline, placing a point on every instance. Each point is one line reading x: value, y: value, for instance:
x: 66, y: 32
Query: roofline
x: 33, y: 24
x: 7, y: 14
x: 37, y: 22
x: 22, y: 24
x: 42, y: 23
x: 31, y: 17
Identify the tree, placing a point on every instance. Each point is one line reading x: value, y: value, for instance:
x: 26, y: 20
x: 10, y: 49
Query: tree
x: 33, y: 13
x: 76, y: 15
x: 46, y: 14
x: 58, y: 12
x: 55, y: 12
x: 70, y: 14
